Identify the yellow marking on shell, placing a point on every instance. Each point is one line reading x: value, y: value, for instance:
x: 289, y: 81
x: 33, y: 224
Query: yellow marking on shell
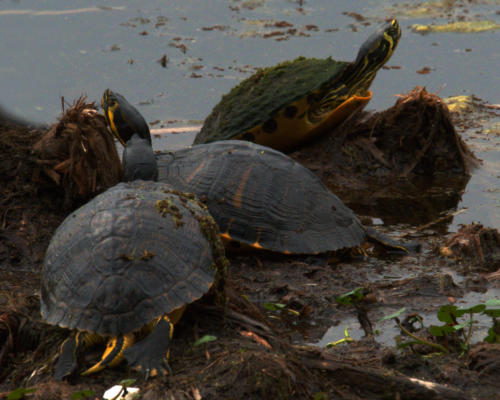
x: 111, y: 347
x: 238, y: 196
x: 292, y: 131
x: 196, y: 171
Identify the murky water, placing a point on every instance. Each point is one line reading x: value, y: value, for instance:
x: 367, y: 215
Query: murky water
x: 54, y: 48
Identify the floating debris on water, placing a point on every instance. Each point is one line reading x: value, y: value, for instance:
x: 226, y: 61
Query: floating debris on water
x: 457, y: 27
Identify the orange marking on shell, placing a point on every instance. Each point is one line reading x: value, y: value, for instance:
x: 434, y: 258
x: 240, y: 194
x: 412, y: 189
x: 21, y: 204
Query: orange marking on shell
x: 195, y: 172
x: 226, y: 235
x: 238, y: 196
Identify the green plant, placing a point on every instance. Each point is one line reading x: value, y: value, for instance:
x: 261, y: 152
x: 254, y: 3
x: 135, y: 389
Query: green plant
x: 416, y: 340
x: 345, y: 339
x: 280, y: 307
x: 82, y: 394
x: 351, y: 298
x: 454, y: 325
x: 204, y: 339
x: 359, y: 298
x: 450, y: 315
x: 19, y: 393
x: 494, y: 331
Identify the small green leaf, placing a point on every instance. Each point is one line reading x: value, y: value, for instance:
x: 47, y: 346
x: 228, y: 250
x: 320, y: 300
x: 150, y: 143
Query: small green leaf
x: 127, y: 382
x: 458, y: 327
x: 274, y: 306
x: 492, y: 303
x: 19, y: 393
x: 205, y: 339
x: 492, y: 337
x: 393, y: 315
x: 436, y: 330
x: 471, y: 310
x: 351, y: 297
x: 441, y: 330
x: 320, y: 396
x: 82, y: 394
x: 494, y: 313
x: 445, y: 313
x: 447, y: 329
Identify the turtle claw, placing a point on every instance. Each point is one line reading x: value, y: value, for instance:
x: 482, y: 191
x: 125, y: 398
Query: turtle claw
x: 150, y: 355
x: 152, y: 368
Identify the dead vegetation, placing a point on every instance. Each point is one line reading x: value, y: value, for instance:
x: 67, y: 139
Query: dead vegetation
x: 78, y: 154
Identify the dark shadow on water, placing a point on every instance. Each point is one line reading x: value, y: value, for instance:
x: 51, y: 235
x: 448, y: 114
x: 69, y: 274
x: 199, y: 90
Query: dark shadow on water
x: 415, y: 203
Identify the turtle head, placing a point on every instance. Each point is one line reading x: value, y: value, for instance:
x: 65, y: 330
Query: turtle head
x: 378, y: 48
x: 123, y: 118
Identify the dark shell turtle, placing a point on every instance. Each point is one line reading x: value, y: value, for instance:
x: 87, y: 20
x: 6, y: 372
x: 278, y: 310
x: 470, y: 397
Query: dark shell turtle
x: 261, y: 197
x: 123, y: 266
x: 285, y: 105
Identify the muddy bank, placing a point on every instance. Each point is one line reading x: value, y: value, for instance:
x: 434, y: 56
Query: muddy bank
x: 277, y: 305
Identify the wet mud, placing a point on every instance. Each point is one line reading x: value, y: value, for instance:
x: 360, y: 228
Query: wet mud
x: 270, y: 338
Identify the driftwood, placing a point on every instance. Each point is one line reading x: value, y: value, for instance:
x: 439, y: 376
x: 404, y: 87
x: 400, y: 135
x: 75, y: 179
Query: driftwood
x: 381, y: 383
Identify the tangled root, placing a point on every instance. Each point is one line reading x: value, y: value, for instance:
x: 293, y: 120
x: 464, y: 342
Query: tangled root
x: 78, y: 153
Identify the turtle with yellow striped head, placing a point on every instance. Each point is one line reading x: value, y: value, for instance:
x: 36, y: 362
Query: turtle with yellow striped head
x: 286, y: 105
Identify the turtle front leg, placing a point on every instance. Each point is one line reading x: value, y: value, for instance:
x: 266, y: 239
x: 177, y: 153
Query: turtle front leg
x: 151, y: 354
x: 69, y: 353
x: 67, y: 362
